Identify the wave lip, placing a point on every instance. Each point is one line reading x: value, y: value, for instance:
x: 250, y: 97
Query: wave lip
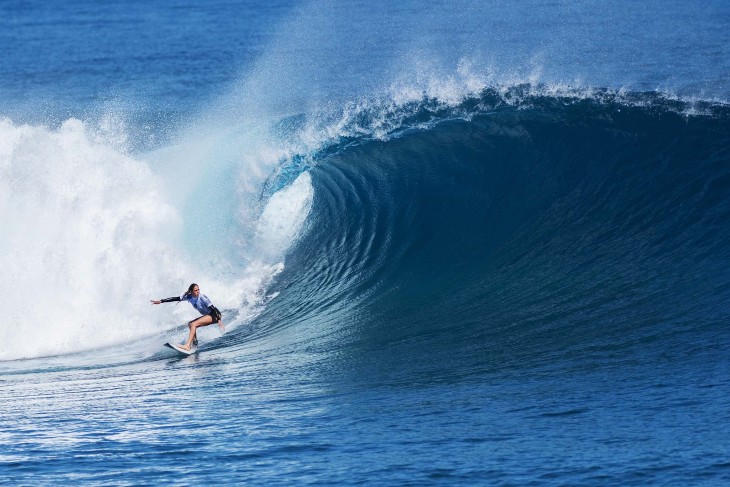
x: 403, y: 107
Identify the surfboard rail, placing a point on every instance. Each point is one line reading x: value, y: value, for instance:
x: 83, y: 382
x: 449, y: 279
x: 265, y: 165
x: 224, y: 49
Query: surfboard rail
x: 178, y: 349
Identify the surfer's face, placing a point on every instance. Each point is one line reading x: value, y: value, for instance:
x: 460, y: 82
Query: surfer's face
x: 196, y: 292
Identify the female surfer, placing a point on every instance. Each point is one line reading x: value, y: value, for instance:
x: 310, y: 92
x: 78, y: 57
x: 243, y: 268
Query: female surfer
x: 203, y: 305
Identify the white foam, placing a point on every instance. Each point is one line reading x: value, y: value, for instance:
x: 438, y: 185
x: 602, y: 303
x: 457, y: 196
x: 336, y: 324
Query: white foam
x: 283, y: 217
x: 84, y: 238
x: 89, y: 234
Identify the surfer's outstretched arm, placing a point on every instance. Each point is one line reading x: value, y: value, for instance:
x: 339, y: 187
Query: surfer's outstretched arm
x: 166, y: 300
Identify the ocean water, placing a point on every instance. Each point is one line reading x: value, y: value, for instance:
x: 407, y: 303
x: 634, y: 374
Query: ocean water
x: 455, y: 243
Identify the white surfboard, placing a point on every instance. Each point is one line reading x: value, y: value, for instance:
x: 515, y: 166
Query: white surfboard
x: 177, y: 348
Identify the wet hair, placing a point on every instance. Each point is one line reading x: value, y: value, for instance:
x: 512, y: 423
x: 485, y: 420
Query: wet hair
x: 190, y: 291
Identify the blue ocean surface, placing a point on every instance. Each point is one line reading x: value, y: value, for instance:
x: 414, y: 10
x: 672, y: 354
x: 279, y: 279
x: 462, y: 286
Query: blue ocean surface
x: 454, y: 243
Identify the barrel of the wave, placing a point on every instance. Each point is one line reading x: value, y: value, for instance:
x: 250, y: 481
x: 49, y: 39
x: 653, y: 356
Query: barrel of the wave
x: 516, y: 234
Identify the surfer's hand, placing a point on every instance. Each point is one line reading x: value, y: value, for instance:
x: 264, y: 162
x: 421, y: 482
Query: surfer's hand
x: 221, y: 326
x: 155, y: 302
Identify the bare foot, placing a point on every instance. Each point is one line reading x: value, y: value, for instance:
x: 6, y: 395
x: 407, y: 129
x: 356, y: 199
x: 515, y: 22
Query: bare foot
x: 184, y: 347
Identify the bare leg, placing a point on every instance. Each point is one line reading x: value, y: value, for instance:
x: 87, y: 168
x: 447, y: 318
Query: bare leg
x: 194, y: 325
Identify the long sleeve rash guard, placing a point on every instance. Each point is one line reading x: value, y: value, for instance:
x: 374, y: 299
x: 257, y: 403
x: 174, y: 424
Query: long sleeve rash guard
x: 201, y: 303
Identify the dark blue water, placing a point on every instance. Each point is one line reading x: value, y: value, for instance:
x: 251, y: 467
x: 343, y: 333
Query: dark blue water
x: 470, y: 243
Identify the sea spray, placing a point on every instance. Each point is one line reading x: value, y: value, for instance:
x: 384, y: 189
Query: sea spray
x: 85, y: 236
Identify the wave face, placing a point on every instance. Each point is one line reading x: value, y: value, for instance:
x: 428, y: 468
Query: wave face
x: 494, y: 236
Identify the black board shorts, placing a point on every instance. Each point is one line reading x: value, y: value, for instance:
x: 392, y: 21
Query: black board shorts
x: 214, y: 313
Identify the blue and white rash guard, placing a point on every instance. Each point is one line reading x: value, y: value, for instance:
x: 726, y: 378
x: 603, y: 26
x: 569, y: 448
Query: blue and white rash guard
x: 201, y: 303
